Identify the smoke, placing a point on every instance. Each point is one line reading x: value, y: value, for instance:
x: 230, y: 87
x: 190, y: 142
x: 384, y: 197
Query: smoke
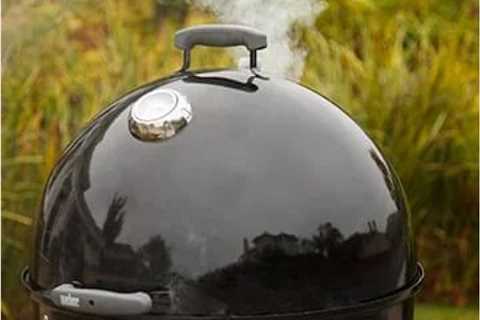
x: 274, y: 17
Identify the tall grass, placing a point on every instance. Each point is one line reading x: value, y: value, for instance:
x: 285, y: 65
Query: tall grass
x: 406, y: 70
x: 441, y: 312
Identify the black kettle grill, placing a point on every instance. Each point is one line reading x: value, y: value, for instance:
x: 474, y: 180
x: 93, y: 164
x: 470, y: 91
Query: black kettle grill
x: 225, y: 194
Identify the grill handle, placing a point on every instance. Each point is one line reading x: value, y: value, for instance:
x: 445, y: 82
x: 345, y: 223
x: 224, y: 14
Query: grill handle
x: 220, y: 35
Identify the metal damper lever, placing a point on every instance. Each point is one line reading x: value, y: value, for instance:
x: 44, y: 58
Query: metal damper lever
x: 100, y: 302
x: 97, y: 301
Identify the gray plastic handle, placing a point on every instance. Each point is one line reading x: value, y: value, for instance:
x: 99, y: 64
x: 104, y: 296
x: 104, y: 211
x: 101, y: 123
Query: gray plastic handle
x: 100, y: 302
x: 220, y: 35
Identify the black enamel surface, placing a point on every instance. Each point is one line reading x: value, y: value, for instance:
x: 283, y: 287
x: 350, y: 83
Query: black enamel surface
x: 399, y: 311
x: 271, y: 200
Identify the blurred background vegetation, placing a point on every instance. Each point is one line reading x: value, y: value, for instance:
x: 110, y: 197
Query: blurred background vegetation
x: 406, y: 70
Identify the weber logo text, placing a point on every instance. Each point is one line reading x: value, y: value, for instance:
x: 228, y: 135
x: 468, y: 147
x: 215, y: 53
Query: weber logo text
x: 69, y: 301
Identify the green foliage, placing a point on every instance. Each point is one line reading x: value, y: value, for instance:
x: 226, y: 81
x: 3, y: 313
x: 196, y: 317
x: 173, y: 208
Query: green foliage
x: 406, y: 71
x: 429, y: 312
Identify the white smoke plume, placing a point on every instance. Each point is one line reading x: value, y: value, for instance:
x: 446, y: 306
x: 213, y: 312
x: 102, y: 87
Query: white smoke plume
x: 274, y: 17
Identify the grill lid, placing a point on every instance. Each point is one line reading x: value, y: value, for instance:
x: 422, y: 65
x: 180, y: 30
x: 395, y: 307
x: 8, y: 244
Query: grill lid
x: 272, y: 202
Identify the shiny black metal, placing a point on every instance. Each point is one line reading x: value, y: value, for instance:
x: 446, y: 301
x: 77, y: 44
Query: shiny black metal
x: 187, y: 58
x: 271, y: 201
x: 371, y: 308
x: 253, y: 59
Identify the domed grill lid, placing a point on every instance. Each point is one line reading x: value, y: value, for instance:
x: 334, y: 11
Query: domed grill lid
x: 208, y: 225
